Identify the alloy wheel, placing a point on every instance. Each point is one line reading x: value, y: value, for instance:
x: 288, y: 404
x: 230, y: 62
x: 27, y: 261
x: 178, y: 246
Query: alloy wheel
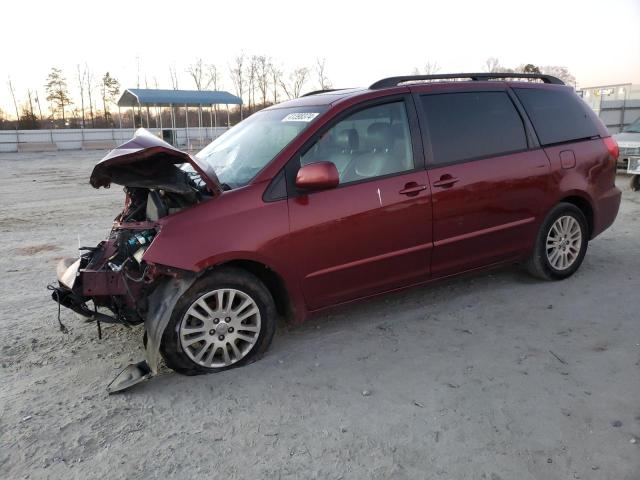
x: 564, y: 242
x: 220, y: 328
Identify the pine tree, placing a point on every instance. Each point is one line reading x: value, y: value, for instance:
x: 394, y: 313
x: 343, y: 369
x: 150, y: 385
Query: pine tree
x: 57, y: 90
x: 109, y: 89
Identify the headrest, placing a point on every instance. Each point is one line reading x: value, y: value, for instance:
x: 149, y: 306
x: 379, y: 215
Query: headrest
x: 397, y: 129
x: 379, y: 135
x: 348, y: 139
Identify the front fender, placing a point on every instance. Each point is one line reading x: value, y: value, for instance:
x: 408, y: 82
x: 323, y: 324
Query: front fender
x: 161, y: 304
x: 238, y: 225
x: 235, y: 225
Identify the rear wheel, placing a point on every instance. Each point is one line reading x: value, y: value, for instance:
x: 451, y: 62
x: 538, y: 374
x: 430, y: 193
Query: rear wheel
x: 561, y: 243
x: 224, y: 320
x: 635, y: 183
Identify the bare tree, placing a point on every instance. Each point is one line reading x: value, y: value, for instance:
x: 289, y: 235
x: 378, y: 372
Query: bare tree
x: 147, y: 107
x: 297, y: 79
x: 13, y: 96
x: 30, y: 103
x: 492, y: 64
x: 431, y: 68
x: 197, y: 73
x: 37, y: 99
x: 73, y: 120
x: 561, y: 72
x: 321, y: 74
x: 237, y: 77
x: 276, y: 78
x: 251, y: 71
x: 174, y: 77
x: 89, y: 80
x: 174, y: 85
x: 158, y: 109
x: 80, y: 76
x: 137, y: 72
x: 215, y: 80
x: 28, y: 119
x: 57, y: 91
x: 262, y: 75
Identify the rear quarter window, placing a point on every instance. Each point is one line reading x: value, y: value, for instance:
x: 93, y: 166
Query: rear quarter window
x: 464, y: 126
x: 558, y: 116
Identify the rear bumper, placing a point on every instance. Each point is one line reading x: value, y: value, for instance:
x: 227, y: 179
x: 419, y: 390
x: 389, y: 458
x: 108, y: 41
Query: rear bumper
x: 606, y: 211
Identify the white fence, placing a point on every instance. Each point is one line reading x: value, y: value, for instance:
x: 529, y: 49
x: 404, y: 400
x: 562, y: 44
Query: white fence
x: 100, y: 138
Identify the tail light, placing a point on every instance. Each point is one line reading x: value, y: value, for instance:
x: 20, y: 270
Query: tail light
x: 612, y: 146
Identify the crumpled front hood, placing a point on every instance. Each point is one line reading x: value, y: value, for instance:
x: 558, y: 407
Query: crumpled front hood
x: 146, y: 160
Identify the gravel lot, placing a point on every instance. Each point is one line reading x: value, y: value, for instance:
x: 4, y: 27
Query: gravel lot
x: 493, y: 376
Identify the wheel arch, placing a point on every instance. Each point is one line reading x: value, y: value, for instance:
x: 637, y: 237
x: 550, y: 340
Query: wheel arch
x: 270, y: 278
x: 585, y: 206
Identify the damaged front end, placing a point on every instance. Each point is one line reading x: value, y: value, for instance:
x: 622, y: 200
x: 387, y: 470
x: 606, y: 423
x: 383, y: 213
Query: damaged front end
x: 112, y: 282
x: 112, y: 276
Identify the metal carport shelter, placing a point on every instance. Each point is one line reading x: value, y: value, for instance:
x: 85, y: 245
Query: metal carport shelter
x: 146, y: 97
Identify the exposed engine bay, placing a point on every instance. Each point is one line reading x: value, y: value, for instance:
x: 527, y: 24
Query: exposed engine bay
x: 112, y: 282
x: 113, y: 274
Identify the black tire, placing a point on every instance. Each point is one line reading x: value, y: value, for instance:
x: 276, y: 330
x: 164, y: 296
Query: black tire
x: 538, y: 264
x: 225, y: 277
x: 635, y: 183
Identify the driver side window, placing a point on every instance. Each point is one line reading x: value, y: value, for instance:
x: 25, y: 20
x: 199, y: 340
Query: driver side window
x: 369, y: 143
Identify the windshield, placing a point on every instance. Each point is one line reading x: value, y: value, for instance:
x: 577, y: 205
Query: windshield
x: 634, y: 127
x: 241, y: 152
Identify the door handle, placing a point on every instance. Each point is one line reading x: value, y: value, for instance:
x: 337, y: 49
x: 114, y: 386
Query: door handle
x: 446, y: 181
x: 412, y: 189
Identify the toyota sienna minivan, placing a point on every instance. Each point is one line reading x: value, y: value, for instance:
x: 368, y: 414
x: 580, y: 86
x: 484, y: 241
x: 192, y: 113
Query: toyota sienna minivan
x: 337, y: 196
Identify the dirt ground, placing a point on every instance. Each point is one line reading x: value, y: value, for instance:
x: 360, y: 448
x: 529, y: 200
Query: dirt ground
x: 494, y: 376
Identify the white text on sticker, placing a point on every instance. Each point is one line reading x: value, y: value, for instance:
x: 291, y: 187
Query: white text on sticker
x: 300, y: 117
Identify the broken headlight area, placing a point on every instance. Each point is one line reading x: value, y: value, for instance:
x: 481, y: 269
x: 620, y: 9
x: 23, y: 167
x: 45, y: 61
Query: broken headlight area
x: 111, y: 282
x: 158, y: 181
x: 111, y: 276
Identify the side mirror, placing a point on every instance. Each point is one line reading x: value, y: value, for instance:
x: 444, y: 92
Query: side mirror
x: 318, y: 176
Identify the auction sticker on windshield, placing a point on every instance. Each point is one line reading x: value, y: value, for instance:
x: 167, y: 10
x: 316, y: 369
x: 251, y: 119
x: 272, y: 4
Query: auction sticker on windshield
x: 300, y: 117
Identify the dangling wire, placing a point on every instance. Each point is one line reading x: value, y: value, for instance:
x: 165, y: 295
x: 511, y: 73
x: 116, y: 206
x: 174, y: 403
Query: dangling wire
x: 63, y: 328
x: 95, y: 309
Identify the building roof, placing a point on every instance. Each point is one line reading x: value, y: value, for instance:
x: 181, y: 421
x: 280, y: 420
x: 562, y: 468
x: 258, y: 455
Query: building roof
x: 147, y: 96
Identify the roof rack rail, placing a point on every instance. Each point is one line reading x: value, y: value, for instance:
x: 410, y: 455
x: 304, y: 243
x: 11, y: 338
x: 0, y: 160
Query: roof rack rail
x: 315, y: 92
x: 395, y: 81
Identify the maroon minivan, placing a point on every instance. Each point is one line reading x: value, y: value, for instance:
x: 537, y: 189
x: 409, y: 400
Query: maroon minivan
x: 337, y: 196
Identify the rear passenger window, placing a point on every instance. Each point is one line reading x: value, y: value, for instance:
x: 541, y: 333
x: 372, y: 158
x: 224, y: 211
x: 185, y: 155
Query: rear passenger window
x: 470, y: 125
x: 557, y: 115
x: 372, y: 142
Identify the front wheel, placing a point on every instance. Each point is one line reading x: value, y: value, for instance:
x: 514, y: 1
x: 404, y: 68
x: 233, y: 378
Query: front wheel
x: 224, y: 320
x: 561, y: 243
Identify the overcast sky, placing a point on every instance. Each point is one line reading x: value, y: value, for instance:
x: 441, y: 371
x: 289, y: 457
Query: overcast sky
x: 598, y: 40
